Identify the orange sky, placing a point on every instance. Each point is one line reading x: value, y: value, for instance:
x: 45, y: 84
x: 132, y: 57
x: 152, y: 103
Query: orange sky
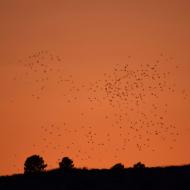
x: 77, y: 98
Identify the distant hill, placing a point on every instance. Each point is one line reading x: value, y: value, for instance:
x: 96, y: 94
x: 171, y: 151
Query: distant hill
x: 159, y: 178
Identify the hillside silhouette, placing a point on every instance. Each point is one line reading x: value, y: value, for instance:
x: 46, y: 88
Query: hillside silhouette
x: 137, y: 178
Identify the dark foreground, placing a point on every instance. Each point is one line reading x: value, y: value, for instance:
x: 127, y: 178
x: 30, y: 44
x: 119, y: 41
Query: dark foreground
x: 140, y: 178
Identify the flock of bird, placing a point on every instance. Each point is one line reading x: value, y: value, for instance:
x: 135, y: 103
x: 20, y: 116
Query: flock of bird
x: 131, y: 97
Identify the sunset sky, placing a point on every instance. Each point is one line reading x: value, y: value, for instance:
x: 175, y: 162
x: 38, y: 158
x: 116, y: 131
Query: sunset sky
x: 100, y: 81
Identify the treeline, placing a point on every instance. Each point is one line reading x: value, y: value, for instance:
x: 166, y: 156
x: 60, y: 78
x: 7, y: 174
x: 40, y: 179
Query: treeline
x: 68, y: 177
x: 36, y: 164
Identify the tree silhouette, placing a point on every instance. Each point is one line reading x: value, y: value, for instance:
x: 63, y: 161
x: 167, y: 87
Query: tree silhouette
x: 118, y: 166
x: 66, y: 163
x: 34, y: 164
x: 139, y: 165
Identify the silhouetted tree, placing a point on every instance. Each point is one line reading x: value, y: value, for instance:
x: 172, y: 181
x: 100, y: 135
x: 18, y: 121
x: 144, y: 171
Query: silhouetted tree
x: 34, y: 164
x: 66, y: 163
x: 139, y: 165
x: 118, y: 166
x: 84, y: 168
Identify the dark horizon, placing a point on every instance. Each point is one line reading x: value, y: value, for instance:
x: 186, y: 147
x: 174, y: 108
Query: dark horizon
x: 137, y: 178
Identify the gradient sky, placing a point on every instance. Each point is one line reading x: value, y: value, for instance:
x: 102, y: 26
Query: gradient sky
x: 84, y: 45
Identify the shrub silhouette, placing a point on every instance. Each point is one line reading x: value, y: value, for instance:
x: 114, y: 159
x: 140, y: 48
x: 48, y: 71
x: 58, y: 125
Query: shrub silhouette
x: 34, y: 164
x: 85, y: 168
x: 66, y: 164
x: 139, y: 165
x: 118, y: 166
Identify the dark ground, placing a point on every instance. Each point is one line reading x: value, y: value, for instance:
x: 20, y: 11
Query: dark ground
x: 140, y: 178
